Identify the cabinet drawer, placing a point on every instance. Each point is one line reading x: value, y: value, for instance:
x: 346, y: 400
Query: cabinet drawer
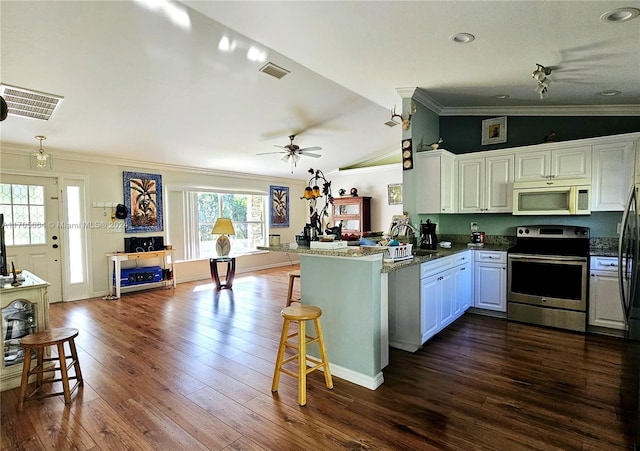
x: 430, y: 268
x: 462, y: 257
x: 604, y: 264
x: 144, y: 255
x: 490, y: 256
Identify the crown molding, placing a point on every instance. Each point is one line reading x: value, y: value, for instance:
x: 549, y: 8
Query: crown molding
x: 132, y: 164
x: 560, y: 110
x: 542, y: 110
x: 406, y: 93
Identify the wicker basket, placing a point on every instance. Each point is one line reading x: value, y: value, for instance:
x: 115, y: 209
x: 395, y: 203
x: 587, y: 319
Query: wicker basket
x: 397, y: 253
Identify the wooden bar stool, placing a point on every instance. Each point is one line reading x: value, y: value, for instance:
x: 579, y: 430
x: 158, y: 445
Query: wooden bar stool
x: 301, y: 314
x: 293, y: 275
x: 38, y: 342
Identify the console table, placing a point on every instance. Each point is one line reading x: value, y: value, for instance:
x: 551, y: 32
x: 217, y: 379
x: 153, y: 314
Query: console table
x: 230, y: 274
x: 115, y: 268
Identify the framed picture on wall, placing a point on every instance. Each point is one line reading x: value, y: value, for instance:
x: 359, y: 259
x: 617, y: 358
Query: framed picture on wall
x: 394, y: 194
x: 279, y: 196
x: 143, y: 199
x: 494, y: 130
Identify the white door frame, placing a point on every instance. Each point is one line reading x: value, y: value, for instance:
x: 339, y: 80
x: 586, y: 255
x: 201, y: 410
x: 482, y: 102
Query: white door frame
x: 63, y: 180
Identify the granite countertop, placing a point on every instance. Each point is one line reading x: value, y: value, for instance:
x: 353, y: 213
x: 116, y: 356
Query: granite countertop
x: 349, y: 251
x: 602, y: 252
x: 366, y: 251
x: 440, y: 253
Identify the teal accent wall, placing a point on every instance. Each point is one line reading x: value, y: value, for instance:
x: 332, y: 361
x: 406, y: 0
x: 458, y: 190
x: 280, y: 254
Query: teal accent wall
x: 601, y: 224
x: 463, y: 134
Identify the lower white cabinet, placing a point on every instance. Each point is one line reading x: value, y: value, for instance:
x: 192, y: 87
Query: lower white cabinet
x: 490, y: 280
x: 605, y: 308
x: 426, y: 298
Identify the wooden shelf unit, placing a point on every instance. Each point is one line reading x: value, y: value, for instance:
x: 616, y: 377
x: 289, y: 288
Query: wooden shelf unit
x: 354, y: 212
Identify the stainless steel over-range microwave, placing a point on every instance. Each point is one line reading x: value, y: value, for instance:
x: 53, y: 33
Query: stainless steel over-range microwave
x: 550, y: 197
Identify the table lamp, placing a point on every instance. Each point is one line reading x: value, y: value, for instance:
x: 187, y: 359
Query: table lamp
x: 223, y: 227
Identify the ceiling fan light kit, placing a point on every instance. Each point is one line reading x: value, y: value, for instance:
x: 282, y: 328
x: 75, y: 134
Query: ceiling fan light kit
x: 293, y: 152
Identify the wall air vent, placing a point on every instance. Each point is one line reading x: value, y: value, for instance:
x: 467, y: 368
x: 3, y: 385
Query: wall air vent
x: 29, y: 103
x: 273, y: 70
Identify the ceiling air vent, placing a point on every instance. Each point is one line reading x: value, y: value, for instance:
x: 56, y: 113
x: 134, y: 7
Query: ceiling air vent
x: 273, y: 70
x: 29, y: 103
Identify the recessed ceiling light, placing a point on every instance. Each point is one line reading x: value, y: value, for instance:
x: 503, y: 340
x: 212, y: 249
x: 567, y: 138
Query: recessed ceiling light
x: 609, y: 92
x: 501, y: 96
x: 462, y: 38
x: 620, y: 15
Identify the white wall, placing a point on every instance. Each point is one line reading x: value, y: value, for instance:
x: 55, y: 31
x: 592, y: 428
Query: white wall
x: 105, y: 185
x: 373, y: 182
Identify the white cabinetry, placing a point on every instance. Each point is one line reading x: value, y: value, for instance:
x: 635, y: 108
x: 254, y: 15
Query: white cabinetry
x: 485, y: 184
x: 605, y: 308
x: 490, y: 280
x: 426, y: 298
x: 435, y: 182
x: 564, y: 163
x: 612, y: 175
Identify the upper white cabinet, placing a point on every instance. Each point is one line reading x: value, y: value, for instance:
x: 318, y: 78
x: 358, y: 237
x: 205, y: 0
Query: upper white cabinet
x: 485, y: 183
x: 612, y: 178
x: 565, y: 163
x: 435, y: 182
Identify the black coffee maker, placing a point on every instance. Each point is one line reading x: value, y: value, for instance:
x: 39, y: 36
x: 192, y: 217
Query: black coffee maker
x: 428, y: 237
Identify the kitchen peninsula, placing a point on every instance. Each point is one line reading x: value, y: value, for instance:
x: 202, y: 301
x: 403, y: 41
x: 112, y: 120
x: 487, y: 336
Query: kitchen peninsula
x: 352, y: 287
x: 349, y: 287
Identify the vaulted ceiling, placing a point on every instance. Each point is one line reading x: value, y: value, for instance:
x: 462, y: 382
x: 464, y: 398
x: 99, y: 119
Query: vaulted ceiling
x: 153, y: 81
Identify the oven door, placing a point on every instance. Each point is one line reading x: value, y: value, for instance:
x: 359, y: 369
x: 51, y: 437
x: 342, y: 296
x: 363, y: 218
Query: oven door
x: 548, y: 281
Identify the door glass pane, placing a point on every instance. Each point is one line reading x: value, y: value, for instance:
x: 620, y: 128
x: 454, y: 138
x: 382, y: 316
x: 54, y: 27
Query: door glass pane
x: 76, y: 260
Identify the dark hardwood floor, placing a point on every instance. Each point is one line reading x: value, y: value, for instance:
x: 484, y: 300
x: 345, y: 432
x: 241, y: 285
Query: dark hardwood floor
x: 189, y: 369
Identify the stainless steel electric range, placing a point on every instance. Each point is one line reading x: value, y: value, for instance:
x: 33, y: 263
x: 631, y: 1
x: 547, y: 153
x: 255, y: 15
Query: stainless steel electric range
x: 548, y: 276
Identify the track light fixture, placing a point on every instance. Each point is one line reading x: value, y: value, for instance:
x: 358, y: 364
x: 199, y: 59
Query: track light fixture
x: 540, y: 75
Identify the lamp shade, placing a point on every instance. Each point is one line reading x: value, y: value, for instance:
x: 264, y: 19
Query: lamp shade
x: 223, y: 226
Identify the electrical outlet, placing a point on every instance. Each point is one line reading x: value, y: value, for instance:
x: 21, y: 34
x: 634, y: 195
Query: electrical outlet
x: 618, y: 228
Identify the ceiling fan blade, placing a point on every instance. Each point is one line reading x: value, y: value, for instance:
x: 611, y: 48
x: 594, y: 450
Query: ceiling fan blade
x: 312, y: 155
x: 311, y: 148
x: 270, y: 153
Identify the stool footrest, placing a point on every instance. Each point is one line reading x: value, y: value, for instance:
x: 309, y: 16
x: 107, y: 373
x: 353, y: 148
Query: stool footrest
x: 32, y: 396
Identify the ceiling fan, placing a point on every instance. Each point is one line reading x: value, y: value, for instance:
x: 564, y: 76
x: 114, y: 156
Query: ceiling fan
x: 293, y: 152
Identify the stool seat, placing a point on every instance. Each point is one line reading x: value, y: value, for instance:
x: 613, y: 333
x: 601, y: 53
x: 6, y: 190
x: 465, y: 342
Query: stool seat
x: 301, y: 314
x: 293, y: 275
x: 37, y: 342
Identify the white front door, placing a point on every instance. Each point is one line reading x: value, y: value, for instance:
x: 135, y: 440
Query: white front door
x: 32, y: 231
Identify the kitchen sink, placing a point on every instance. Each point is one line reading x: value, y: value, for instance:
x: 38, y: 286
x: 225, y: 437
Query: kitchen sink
x: 420, y: 252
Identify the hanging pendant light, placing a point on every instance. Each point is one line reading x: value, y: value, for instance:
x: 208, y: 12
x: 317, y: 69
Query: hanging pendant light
x: 42, y: 159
